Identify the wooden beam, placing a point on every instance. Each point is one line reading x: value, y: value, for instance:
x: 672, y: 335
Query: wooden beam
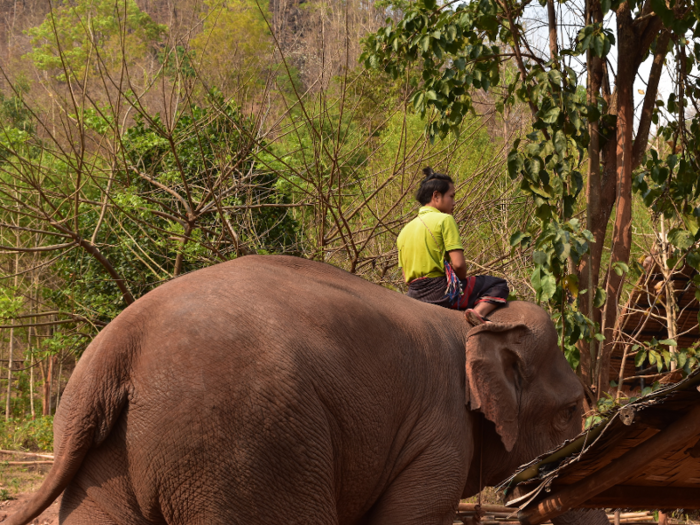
x: 629, y: 497
x: 561, y: 499
x: 474, y: 507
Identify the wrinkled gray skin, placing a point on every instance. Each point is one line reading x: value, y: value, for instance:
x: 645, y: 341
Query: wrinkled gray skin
x: 279, y: 390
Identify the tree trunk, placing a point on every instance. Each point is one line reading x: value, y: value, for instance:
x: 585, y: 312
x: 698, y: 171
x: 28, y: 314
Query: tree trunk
x: 553, y: 44
x: 8, y: 404
x: 46, y: 391
x: 31, y: 387
x: 588, y: 278
x: 622, y: 232
x: 8, y: 401
x: 58, y: 380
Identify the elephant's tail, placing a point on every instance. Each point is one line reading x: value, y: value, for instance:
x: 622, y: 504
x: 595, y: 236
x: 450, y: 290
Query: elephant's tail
x: 90, y: 406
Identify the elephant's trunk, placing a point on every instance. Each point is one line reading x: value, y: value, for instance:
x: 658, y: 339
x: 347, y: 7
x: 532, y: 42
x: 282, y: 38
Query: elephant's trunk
x: 582, y: 517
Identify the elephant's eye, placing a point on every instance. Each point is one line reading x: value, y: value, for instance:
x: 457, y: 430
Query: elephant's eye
x: 566, y: 414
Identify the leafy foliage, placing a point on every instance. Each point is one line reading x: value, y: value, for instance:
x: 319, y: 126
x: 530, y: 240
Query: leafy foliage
x: 32, y: 435
x: 450, y: 46
x: 81, y: 38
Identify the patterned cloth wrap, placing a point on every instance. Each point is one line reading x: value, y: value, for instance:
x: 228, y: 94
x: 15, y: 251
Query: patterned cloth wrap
x: 474, y: 290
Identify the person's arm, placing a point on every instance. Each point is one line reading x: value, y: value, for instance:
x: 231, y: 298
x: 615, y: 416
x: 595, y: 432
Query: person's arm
x: 458, y: 263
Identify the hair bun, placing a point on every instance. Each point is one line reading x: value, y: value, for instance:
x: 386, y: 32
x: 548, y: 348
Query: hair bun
x: 428, y: 172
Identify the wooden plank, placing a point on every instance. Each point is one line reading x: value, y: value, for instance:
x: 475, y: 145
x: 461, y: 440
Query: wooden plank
x: 631, y: 497
x: 567, y: 497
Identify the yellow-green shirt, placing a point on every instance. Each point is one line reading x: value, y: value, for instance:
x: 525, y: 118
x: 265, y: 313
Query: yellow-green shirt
x: 419, y: 253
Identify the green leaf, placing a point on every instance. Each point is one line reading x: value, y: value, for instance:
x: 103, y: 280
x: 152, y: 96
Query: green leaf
x: 593, y: 113
x: 681, y: 239
x: 598, y: 45
x: 551, y: 115
x: 549, y: 287
x: 667, y: 358
x: 668, y: 342
x: 515, y: 163
x: 518, y: 238
x: 570, y: 282
x: 555, y: 76
x: 640, y: 358
x: 693, y: 259
x: 539, y: 258
x: 559, y: 141
x: 599, y: 299
x: 619, y: 267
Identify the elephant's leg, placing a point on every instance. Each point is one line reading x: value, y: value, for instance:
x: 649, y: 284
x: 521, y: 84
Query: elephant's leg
x: 78, y: 509
x: 423, y: 494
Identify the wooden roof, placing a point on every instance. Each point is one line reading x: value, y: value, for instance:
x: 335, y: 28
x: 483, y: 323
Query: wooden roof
x: 644, y: 455
x: 644, y: 315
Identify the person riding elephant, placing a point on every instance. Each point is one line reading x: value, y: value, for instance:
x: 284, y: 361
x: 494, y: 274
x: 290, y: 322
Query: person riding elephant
x: 273, y: 389
x: 431, y: 256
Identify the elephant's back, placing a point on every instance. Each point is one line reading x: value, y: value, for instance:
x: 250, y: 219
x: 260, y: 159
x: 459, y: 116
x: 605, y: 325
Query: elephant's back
x: 252, y: 302
x: 284, y: 323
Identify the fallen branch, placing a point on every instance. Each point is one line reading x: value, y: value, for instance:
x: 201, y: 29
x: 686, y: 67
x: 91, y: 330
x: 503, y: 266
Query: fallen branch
x: 26, y: 462
x: 49, y: 456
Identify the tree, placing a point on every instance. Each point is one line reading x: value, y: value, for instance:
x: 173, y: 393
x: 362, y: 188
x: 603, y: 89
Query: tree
x: 235, y: 49
x: 458, y: 48
x: 79, y: 38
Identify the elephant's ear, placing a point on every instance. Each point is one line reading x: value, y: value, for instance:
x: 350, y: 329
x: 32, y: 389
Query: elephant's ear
x: 494, y: 376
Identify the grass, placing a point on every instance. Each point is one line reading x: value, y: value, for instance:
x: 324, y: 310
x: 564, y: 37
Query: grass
x: 28, y: 436
x: 18, y: 479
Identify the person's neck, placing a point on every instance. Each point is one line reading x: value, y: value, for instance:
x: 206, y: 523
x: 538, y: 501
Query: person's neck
x: 437, y: 209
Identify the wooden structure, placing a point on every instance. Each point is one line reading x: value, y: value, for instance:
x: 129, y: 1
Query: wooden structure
x: 645, y: 455
x: 645, y: 315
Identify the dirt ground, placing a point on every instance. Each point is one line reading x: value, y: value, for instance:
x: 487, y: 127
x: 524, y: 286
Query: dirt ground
x: 48, y: 517
x: 17, y: 484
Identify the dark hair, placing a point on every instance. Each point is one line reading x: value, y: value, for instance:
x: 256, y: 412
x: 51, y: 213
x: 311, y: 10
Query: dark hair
x: 431, y: 183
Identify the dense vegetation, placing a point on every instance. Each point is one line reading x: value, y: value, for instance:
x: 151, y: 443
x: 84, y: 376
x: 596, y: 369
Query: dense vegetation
x: 139, y: 142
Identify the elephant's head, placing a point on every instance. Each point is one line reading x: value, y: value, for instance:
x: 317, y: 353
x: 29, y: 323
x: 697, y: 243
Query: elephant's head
x: 519, y: 380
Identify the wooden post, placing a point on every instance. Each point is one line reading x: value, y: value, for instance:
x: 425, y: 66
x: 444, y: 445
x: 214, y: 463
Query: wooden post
x: 570, y: 496
x: 663, y: 518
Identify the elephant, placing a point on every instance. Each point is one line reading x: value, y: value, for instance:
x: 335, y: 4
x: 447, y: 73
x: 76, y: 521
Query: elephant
x: 273, y: 389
